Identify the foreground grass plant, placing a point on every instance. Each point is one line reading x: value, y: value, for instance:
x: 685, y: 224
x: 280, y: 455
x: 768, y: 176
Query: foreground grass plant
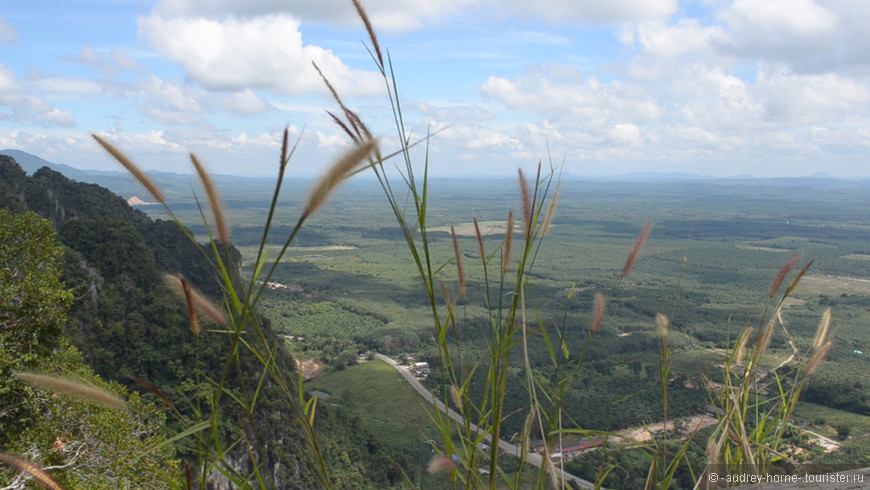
x: 749, y: 430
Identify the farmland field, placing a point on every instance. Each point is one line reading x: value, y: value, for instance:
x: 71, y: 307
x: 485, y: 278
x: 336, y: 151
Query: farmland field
x: 348, y: 285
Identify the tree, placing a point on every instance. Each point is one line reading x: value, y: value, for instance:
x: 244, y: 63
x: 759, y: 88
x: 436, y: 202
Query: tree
x: 87, y: 446
x: 33, y: 302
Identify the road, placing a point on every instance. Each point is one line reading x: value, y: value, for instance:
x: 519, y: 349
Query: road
x: 514, y: 449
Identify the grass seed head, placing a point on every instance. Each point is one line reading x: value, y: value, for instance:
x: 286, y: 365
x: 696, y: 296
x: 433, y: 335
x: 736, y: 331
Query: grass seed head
x: 459, y: 269
x: 336, y: 174
x: 456, y: 395
x: 441, y: 463
x: 818, y: 357
x: 479, y: 240
x: 509, y: 233
x: 75, y: 389
x: 783, y: 271
x: 131, y: 167
x: 548, y: 219
x: 214, y: 200
x: 205, y: 307
x: 527, y: 204
x: 362, y: 15
x: 663, y: 325
x: 638, y: 245
x: 822, y: 331
x: 31, y: 469
x: 598, y: 314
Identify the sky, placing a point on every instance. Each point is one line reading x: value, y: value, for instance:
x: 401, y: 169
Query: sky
x: 711, y: 87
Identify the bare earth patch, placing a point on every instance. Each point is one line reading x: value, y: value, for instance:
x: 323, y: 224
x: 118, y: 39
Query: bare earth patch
x: 644, y: 434
x: 833, y: 285
x: 309, y: 369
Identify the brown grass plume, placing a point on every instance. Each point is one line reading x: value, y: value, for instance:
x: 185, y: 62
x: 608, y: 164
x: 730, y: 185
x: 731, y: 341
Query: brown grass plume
x: 783, y: 271
x: 217, y: 208
x: 527, y: 204
x: 509, y: 233
x: 73, y: 388
x: 459, y: 269
x: 184, y: 290
x: 132, y: 168
x: 31, y: 469
x: 337, y: 173
x: 370, y: 30
x: 598, y: 313
x: 638, y: 245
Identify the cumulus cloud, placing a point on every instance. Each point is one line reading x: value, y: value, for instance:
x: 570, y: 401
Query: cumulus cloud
x: 559, y: 93
x: 112, y: 63
x: 23, y: 106
x: 404, y: 15
x: 243, y: 102
x: 261, y: 52
x: 595, y: 11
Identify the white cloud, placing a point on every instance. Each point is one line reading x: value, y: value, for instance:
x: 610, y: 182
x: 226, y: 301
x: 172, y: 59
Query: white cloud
x: 595, y: 11
x: 261, y: 52
x: 8, y: 34
x: 8, y: 84
x: 60, y: 85
x: 26, y: 107
x: 799, y: 99
x: 404, y: 15
x: 809, y: 35
x: 116, y: 61
x: 243, y: 102
x: 388, y: 15
x: 626, y: 133
x: 559, y: 94
x: 659, y: 40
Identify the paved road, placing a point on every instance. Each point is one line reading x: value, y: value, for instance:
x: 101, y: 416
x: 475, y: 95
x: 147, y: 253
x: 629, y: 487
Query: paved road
x: 533, y: 458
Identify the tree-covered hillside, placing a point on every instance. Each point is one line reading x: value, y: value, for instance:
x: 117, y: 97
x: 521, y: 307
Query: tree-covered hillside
x: 127, y: 324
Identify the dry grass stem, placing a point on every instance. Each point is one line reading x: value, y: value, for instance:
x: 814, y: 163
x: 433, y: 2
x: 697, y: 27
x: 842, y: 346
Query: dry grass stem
x: 203, y: 305
x: 548, y: 219
x: 509, y: 233
x: 344, y: 127
x: 459, y: 269
x: 822, y: 331
x: 191, y: 307
x: 31, y: 469
x: 783, y: 271
x: 527, y: 204
x: 132, y: 168
x: 456, y: 395
x: 740, y: 348
x: 766, y: 334
x: 818, y: 357
x: 217, y: 208
x: 638, y: 245
x: 370, y: 30
x: 74, y: 389
x: 663, y: 325
x: 337, y: 173
x: 598, y: 314
x: 479, y: 239
x: 441, y: 463
x: 285, y: 147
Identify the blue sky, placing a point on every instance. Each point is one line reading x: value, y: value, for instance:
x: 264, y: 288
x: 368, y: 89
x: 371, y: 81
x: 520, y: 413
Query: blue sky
x: 713, y: 87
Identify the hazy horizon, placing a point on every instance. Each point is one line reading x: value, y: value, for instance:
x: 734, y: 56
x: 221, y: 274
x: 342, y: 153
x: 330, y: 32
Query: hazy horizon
x: 733, y: 88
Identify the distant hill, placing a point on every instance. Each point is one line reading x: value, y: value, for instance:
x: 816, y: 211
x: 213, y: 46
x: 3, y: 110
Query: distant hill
x: 31, y: 163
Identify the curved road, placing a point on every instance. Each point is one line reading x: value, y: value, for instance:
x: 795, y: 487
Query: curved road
x: 533, y: 458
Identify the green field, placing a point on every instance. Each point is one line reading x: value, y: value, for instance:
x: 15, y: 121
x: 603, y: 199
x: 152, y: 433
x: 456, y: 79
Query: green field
x: 348, y: 285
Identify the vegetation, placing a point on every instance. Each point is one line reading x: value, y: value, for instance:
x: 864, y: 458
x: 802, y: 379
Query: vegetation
x: 544, y: 325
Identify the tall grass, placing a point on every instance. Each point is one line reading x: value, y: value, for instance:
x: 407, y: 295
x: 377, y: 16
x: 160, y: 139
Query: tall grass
x: 750, y: 426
